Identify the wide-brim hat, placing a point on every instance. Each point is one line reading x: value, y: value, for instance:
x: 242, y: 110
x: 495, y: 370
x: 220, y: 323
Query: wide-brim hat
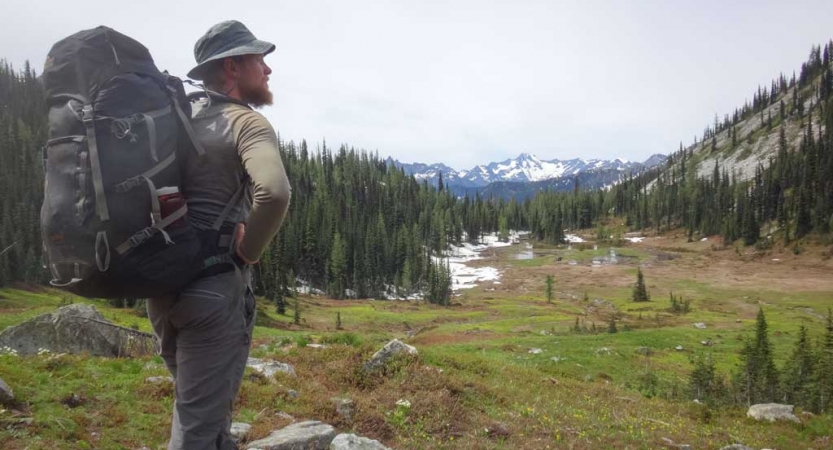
x: 224, y: 40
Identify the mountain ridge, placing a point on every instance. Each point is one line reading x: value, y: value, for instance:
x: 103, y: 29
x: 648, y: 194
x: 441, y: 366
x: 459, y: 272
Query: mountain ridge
x: 525, y: 168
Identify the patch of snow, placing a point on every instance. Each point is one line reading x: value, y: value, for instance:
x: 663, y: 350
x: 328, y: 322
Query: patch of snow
x: 704, y: 239
x: 573, y: 238
x: 635, y: 239
x: 465, y: 277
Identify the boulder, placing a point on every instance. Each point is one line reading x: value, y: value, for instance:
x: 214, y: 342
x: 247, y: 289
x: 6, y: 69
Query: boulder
x: 700, y: 326
x: 309, y: 435
x: 736, y: 447
x: 536, y: 351
x: 352, y: 442
x: 391, y: 349
x: 6, y: 394
x: 344, y: 407
x: 772, y: 412
x: 75, y: 328
x: 159, y: 380
x: 239, y: 431
x: 270, y: 368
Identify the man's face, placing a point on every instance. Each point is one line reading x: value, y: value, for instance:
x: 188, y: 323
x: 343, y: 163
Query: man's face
x: 253, y: 82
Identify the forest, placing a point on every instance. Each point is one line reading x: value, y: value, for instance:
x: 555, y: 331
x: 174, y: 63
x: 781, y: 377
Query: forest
x: 360, y: 228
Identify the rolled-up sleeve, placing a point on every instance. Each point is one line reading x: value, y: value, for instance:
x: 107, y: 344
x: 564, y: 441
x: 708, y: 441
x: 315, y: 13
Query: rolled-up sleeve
x: 257, y: 144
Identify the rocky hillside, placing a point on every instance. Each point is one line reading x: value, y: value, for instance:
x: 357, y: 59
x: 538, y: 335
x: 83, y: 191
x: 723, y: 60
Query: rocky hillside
x: 749, y: 137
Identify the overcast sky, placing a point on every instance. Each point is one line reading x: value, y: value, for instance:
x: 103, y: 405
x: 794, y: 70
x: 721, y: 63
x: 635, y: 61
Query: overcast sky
x: 469, y: 82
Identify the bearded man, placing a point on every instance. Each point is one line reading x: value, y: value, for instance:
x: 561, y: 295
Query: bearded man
x: 237, y: 196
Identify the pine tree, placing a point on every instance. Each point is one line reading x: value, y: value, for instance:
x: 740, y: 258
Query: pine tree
x: 704, y: 384
x: 296, y: 318
x: 550, y: 283
x: 338, y: 321
x: 757, y: 379
x: 611, y: 325
x: 824, y: 372
x: 640, y: 292
x: 799, y: 372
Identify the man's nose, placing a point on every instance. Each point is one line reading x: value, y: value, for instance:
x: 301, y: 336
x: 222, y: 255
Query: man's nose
x: 266, y: 68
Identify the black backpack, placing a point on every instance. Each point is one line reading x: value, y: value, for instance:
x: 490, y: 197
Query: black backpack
x: 116, y: 126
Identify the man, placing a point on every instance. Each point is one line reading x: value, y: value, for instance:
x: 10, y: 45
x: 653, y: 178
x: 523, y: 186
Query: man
x: 205, y: 330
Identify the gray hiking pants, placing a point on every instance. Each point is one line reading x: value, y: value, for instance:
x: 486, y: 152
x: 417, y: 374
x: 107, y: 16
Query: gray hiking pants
x: 205, y: 332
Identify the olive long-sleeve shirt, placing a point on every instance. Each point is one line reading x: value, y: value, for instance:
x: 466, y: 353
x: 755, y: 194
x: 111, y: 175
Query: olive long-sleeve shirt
x: 238, y: 141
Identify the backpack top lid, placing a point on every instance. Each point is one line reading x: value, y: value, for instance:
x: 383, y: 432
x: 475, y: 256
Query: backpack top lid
x: 78, y: 65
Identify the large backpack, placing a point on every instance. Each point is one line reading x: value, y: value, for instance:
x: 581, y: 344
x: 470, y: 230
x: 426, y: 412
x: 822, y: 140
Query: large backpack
x: 116, y: 126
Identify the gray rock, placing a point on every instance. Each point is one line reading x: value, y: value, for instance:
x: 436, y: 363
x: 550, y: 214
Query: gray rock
x: 309, y: 435
x: 293, y: 394
x: 700, y: 326
x: 6, y: 394
x: 352, y: 442
x: 736, y: 447
x: 344, y: 407
x: 536, y: 351
x: 772, y: 412
x: 643, y: 351
x: 239, y: 431
x: 75, y: 328
x: 391, y: 349
x: 159, y: 380
x: 270, y: 368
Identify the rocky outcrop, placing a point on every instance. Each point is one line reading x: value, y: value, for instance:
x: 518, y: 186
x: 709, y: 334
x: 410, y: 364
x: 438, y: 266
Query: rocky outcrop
x: 239, y: 431
x: 270, y: 368
x: 309, y: 435
x: 391, y: 349
x: 344, y: 407
x: 772, y: 412
x: 353, y: 442
x: 75, y: 328
x: 6, y: 394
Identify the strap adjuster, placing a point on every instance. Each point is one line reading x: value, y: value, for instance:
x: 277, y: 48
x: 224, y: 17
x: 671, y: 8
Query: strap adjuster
x: 140, y: 237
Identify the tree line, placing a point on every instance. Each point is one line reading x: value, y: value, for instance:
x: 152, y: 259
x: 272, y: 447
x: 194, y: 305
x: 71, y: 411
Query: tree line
x: 358, y: 227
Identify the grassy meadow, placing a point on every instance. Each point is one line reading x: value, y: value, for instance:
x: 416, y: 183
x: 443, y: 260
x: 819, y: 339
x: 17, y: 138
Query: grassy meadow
x: 475, y: 384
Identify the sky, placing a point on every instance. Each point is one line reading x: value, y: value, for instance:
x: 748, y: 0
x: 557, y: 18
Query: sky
x: 470, y: 82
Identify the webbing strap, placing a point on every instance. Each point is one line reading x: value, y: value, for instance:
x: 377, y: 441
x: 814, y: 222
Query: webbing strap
x: 95, y: 164
x: 101, y: 240
x: 186, y: 123
x: 159, y: 227
x: 150, y: 124
x: 151, y: 127
x: 132, y: 182
x: 235, y: 199
x: 155, y: 209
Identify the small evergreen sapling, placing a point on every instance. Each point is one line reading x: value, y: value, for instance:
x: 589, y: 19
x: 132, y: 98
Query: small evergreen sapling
x: 640, y: 292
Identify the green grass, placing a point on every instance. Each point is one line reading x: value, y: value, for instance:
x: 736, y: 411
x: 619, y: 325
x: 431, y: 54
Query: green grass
x: 474, y: 369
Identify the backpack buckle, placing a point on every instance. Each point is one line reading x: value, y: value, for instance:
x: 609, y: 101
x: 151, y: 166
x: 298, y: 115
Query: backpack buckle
x: 140, y: 237
x: 87, y: 115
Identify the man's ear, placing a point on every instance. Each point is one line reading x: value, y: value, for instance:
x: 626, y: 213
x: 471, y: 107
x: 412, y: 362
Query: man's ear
x: 230, y: 68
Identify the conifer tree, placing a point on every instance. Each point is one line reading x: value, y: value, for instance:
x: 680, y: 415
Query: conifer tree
x: 799, y: 371
x: 824, y: 372
x: 611, y: 325
x: 550, y: 283
x: 640, y: 292
x: 757, y: 378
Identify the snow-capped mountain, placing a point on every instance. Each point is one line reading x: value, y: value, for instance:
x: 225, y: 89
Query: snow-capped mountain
x: 523, y: 169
